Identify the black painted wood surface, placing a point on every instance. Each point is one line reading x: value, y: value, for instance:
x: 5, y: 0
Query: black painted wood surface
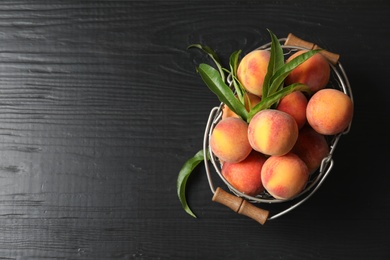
x: 100, y: 105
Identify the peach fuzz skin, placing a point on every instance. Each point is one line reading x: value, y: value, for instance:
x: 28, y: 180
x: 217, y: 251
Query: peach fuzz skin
x: 285, y: 176
x: 329, y: 111
x: 252, y: 69
x: 245, y: 176
x: 294, y: 104
x: 272, y: 132
x: 311, y: 147
x: 229, y: 140
x: 314, y: 72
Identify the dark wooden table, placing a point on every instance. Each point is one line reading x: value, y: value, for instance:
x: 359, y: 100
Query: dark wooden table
x: 101, y: 106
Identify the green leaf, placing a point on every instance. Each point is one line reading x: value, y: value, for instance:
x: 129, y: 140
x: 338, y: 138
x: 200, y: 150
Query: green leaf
x: 240, y: 91
x: 278, y: 57
x: 276, y: 61
x: 213, y: 56
x: 234, y: 62
x: 213, y: 80
x: 280, y: 75
x: 267, y: 102
x: 183, y: 176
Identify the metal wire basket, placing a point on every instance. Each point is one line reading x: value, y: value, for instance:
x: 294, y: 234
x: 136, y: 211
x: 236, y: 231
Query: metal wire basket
x: 237, y: 200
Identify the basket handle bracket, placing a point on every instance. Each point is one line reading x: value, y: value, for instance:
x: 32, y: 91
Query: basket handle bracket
x: 240, y: 206
x: 293, y: 40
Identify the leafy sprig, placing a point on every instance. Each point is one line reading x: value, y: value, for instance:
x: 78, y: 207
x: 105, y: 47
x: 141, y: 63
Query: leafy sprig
x: 214, y: 81
x: 234, y: 96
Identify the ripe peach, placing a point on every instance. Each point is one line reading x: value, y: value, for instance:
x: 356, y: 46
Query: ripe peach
x: 250, y: 101
x: 314, y: 72
x: 252, y: 69
x: 311, y: 147
x: 284, y: 176
x: 229, y: 140
x: 245, y: 176
x: 294, y: 104
x: 329, y: 111
x: 272, y: 132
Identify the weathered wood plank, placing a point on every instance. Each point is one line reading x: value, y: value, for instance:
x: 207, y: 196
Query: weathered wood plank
x: 100, y: 105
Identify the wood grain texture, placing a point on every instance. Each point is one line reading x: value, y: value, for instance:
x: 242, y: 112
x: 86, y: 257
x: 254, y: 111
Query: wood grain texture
x: 100, y: 105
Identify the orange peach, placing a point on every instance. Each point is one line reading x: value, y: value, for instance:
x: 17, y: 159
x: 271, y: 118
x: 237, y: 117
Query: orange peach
x: 285, y: 176
x: 229, y: 140
x: 311, y: 147
x: 272, y: 132
x: 294, y: 104
x: 329, y: 111
x: 245, y: 176
x: 314, y: 72
x: 250, y: 101
x: 252, y: 69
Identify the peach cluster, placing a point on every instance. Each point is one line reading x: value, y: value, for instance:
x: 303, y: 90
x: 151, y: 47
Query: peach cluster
x: 281, y: 146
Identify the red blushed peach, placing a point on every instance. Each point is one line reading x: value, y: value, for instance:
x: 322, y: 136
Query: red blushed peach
x: 311, y: 147
x: 245, y: 176
x: 229, y: 140
x: 250, y: 101
x: 252, y: 69
x: 285, y: 176
x: 272, y: 132
x: 294, y: 104
x: 314, y: 72
x: 329, y: 111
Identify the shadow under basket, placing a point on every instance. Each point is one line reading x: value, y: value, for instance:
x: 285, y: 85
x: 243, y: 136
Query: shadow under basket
x: 244, y: 204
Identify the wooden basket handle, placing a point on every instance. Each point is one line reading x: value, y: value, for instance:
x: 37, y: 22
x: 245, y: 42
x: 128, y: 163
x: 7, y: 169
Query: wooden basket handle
x: 240, y: 205
x: 293, y: 40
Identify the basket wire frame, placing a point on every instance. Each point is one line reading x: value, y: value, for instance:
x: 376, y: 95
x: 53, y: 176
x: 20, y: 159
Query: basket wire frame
x: 339, y: 77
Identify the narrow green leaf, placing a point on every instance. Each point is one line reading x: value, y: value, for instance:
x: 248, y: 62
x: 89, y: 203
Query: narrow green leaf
x: 277, y: 51
x: 207, y: 50
x: 233, y: 71
x: 239, y: 91
x: 183, y: 176
x: 267, y: 102
x: 234, y: 62
x: 213, y: 56
x: 281, y: 74
x: 213, y: 80
x: 276, y: 61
